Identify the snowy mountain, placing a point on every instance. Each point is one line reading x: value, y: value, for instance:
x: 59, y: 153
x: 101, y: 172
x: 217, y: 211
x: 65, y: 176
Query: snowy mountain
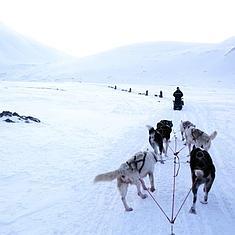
x: 148, y: 63
x: 156, y: 62
x: 17, y: 49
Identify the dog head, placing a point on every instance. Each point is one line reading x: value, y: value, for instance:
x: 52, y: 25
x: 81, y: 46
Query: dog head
x: 165, y: 123
x: 164, y: 127
x: 187, y: 124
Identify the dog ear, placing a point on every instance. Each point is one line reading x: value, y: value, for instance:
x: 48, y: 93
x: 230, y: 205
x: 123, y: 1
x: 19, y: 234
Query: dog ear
x: 194, y: 147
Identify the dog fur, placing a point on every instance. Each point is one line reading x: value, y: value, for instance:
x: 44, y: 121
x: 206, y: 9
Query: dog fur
x: 202, y: 172
x: 183, y: 126
x: 159, y: 135
x: 132, y: 172
x: 165, y: 123
x: 164, y: 127
x: 156, y: 141
x: 199, y: 138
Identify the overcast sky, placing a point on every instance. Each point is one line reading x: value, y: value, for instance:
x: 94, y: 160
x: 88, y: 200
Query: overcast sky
x: 83, y: 27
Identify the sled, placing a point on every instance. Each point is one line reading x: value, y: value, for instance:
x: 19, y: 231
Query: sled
x: 178, y: 105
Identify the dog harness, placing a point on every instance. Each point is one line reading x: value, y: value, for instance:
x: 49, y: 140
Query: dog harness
x: 134, y: 162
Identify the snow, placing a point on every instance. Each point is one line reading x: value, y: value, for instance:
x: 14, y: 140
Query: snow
x: 15, y: 48
x: 47, y: 168
x: 154, y: 63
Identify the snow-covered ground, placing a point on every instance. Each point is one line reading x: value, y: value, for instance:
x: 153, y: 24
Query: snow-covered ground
x: 47, y: 169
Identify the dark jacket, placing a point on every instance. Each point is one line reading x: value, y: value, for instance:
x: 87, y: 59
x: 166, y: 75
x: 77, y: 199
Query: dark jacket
x: 178, y: 94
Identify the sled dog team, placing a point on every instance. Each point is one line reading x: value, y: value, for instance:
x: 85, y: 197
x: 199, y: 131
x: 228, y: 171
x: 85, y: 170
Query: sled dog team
x: 135, y: 169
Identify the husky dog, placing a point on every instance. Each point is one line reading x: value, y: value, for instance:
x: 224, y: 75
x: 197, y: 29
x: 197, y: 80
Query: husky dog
x: 199, y: 138
x: 156, y: 141
x: 165, y: 129
x: 202, y: 172
x: 183, y: 126
x: 159, y: 135
x: 132, y: 172
x: 164, y: 123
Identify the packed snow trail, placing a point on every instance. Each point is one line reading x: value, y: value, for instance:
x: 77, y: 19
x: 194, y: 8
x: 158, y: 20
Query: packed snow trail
x: 47, y: 169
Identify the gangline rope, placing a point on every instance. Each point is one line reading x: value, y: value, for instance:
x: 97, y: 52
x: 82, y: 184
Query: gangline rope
x: 175, y: 174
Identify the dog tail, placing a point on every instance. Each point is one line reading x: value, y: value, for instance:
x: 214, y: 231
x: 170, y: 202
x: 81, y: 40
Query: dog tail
x: 213, y: 135
x: 109, y: 176
x: 199, y: 173
x: 149, y: 127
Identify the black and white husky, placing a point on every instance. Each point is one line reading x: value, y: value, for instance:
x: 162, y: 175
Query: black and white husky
x: 183, y: 126
x: 159, y: 135
x: 156, y: 141
x: 132, y: 172
x: 199, y: 138
x: 202, y: 172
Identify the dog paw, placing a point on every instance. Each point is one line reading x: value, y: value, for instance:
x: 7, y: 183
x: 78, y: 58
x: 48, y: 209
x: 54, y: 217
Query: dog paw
x: 192, y: 211
x: 129, y: 209
x: 144, y: 196
x: 204, y: 202
x: 162, y: 162
x: 152, y: 189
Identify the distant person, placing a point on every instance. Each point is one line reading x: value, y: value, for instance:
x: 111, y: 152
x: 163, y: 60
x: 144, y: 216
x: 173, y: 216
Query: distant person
x: 178, y: 94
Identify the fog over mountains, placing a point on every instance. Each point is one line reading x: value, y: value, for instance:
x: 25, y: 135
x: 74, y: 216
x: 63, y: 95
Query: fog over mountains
x: 153, y: 62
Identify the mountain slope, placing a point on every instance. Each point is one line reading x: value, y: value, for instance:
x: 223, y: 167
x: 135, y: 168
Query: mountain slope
x: 16, y: 49
x: 145, y: 63
x: 151, y: 63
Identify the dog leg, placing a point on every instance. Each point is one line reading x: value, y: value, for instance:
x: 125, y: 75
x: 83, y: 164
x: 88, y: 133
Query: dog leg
x: 161, y: 148
x: 143, y: 196
x: 161, y: 159
x: 182, y: 134
x: 186, y: 139
x: 193, y: 207
x: 143, y: 184
x: 167, y: 144
x: 123, y: 191
x: 154, y: 146
x: 189, y: 148
x: 151, y: 179
x: 206, y: 189
x: 205, y: 198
